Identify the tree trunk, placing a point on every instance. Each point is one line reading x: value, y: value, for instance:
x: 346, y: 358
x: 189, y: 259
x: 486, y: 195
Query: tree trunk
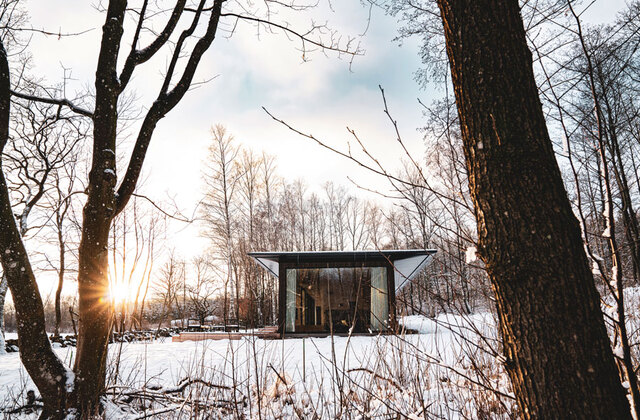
x: 45, y: 369
x: 103, y: 203
x: 95, y: 310
x: 3, y: 294
x: 61, y: 271
x: 557, y: 351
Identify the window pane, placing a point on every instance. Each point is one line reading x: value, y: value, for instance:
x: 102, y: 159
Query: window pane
x: 337, y: 299
x: 379, y: 299
x: 290, y: 324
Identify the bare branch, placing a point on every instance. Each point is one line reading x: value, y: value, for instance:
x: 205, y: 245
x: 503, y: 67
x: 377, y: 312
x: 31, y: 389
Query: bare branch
x: 303, y: 37
x: 140, y: 56
x: 53, y: 101
x: 166, y: 101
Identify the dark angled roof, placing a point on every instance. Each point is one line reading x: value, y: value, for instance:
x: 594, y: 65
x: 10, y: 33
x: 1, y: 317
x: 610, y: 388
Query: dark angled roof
x: 407, y: 263
x: 302, y: 256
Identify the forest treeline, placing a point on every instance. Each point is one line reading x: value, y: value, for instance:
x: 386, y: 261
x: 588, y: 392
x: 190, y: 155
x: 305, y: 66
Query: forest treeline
x: 249, y: 207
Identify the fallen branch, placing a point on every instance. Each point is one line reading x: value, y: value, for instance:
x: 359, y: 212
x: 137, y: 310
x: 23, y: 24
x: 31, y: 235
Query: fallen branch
x: 190, y: 381
x: 377, y: 376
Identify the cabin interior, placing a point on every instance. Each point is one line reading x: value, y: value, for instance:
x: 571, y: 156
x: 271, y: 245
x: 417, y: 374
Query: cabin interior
x: 337, y: 299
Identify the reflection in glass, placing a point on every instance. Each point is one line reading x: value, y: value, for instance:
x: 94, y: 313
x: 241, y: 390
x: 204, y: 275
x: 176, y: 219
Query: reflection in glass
x: 291, y: 301
x: 337, y: 299
x: 379, y: 301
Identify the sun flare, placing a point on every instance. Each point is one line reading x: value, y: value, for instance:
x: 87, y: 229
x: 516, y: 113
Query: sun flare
x: 120, y: 293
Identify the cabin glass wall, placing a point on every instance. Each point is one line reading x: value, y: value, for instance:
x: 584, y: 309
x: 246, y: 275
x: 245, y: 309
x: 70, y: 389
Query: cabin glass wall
x: 337, y: 299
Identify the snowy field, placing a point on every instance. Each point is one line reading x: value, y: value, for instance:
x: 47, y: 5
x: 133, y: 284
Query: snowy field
x: 432, y: 374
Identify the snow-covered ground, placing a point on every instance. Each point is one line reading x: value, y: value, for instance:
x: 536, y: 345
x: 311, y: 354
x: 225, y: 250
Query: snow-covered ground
x: 417, y: 375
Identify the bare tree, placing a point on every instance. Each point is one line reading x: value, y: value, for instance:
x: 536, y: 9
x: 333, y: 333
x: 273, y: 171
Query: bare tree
x: 221, y: 179
x: 37, y: 355
x: 42, y: 151
x: 589, y: 114
x: 134, y: 234
x: 202, y: 289
x: 514, y: 185
x: 169, y: 286
x: 65, y: 226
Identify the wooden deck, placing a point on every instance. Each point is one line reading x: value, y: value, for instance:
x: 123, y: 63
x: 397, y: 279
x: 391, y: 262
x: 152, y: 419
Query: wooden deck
x: 271, y: 333
x: 266, y: 333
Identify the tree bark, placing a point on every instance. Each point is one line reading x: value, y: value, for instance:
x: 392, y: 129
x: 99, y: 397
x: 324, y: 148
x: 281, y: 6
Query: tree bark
x: 557, y: 351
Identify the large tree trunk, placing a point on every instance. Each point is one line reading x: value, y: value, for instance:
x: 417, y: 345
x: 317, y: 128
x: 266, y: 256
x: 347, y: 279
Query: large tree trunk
x: 557, y: 351
x: 96, y: 312
x: 44, y: 367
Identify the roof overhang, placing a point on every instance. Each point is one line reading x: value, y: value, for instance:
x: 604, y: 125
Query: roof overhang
x: 407, y: 264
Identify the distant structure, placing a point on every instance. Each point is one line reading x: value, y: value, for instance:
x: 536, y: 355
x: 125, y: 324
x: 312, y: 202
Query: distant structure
x: 327, y: 292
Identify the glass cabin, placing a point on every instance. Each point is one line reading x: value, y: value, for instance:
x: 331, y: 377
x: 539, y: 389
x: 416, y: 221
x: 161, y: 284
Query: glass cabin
x: 328, y: 292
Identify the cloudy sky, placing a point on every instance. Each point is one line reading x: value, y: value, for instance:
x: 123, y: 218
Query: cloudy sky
x: 250, y: 70
x: 323, y: 96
